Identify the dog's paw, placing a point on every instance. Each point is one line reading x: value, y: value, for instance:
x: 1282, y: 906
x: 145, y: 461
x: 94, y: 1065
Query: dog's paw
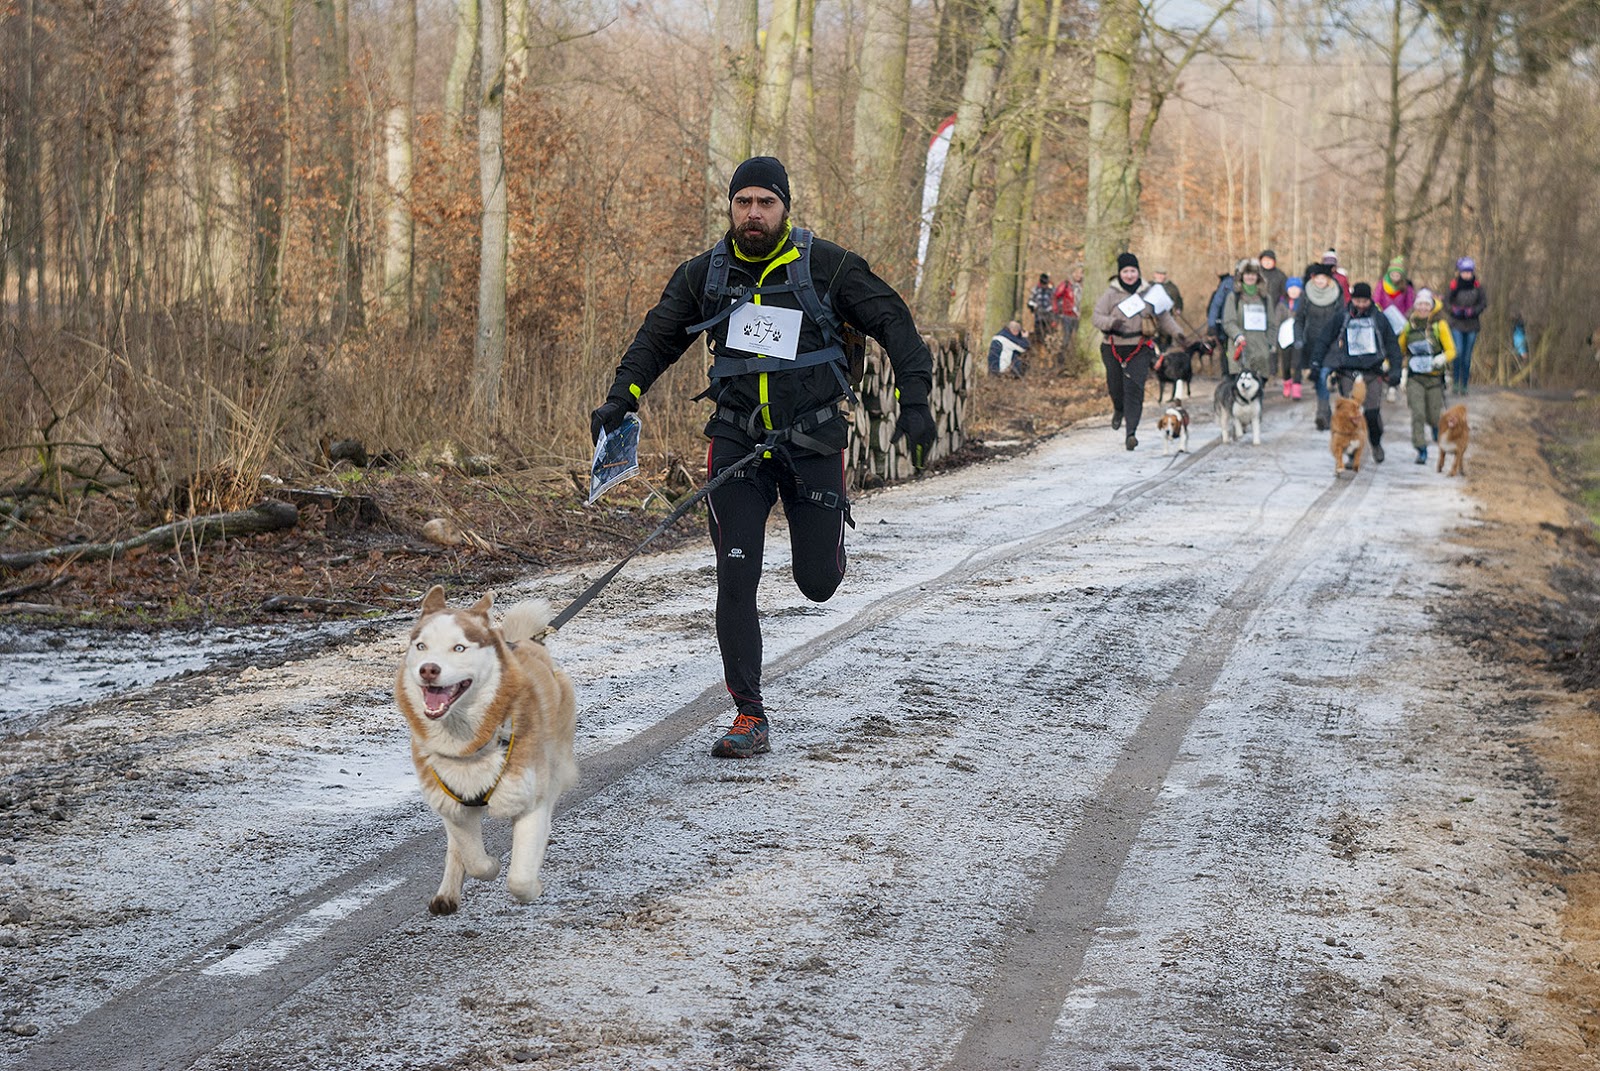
x: 527, y: 892
x: 443, y: 905
x: 487, y: 870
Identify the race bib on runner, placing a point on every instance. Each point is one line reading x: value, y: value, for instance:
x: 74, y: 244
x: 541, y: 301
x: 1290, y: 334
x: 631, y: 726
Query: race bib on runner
x: 1360, y: 338
x: 1420, y: 356
x: 1131, y: 306
x: 1255, y: 317
x: 764, y: 329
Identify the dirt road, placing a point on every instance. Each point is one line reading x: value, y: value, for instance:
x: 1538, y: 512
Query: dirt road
x: 1099, y: 760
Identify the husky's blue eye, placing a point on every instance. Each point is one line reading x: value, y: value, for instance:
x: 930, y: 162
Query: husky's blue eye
x: 460, y: 647
x: 421, y: 646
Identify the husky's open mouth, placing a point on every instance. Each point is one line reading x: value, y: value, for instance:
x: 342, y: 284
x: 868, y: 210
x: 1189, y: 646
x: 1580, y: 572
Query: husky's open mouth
x: 436, y: 701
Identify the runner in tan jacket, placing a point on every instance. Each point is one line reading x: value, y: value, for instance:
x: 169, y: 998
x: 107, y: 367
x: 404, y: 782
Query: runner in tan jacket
x: 1128, y: 327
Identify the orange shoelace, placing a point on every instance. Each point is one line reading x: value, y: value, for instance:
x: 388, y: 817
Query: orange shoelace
x: 744, y: 724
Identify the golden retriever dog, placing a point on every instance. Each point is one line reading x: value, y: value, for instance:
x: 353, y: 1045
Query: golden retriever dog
x: 1453, y: 436
x: 1349, y: 429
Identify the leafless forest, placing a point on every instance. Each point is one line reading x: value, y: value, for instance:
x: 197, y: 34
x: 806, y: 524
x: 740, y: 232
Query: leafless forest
x: 231, y: 231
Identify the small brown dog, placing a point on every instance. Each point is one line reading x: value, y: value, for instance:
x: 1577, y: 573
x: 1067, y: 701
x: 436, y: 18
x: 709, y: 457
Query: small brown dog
x: 1453, y: 436
x: 1349, y: 428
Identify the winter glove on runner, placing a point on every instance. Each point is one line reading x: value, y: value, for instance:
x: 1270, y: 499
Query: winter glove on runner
x: 608, y: 418
x: 915, y: 425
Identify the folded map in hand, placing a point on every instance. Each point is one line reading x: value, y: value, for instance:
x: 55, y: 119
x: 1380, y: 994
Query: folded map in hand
x: 616, y: 457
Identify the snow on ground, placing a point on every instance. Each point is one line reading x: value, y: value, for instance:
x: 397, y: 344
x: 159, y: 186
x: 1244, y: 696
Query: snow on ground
x: 1098, y: 760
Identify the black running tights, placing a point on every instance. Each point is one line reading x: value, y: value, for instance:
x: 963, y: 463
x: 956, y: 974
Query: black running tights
x: 1125, y: 382
x: 738, y: 524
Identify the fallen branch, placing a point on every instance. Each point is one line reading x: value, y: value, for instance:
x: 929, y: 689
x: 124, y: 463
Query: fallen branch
x: 268, y: 516
x: 309, y: 602
x: 13, y: 594
x: 41, y: 608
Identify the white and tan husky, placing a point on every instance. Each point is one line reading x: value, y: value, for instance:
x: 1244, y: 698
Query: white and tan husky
x: 492, y: 720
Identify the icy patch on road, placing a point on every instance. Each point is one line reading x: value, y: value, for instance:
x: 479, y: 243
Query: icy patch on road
x: 50, y: 668
x: 266, y: 954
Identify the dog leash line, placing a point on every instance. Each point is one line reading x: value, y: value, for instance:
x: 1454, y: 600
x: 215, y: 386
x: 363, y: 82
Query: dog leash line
x: 572, y: 609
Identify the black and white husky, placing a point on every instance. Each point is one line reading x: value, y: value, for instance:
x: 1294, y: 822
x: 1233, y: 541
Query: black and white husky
x: 1238, y: 402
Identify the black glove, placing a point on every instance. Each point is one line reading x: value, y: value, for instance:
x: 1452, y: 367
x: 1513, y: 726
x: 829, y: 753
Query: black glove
x: 608, y: 416
x: 1394, y: 378
x: 915, y: 425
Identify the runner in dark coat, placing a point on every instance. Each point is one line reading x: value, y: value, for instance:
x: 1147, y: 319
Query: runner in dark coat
x: 1360, y: 344
x: 790, y: 398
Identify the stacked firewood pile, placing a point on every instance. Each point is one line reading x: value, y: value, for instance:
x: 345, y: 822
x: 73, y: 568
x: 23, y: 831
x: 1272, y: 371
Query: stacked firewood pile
x: 870, y: 459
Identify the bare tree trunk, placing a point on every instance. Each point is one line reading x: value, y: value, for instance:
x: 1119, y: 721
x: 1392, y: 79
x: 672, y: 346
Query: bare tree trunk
x: 190, y: 249
x: 399, y: 126
x: 945, y: 267
x: 455, y: 82
x: 1388, y: 206
x: 273, y: 200
x: 1458, y: 197
x: 1008, y: 229
x: 518, y: 21
x: 807, y: 164
x: 489, y: 354
x: 333, y: 56
x: 959, y: 21
x: 1044, y: 68
x: 223, y: 256
x: 1268, y: 148
x: 1112, y: 196
x: 1296, y: 226
x: 777, y: 78
x: 23, y: 181
x: 733, y: 97
x: 879, y: 123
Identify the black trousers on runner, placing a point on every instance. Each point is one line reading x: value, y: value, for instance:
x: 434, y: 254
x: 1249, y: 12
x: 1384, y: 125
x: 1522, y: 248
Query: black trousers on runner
x: 1125, y: 381
x: 738, y: 525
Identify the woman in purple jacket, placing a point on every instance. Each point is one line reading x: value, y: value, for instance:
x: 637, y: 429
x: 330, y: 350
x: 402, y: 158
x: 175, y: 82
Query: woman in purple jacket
x: 1466, y: 302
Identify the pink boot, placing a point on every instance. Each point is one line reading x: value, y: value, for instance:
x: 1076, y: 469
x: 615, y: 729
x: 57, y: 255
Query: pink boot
x: 1286, y: 388
x: 1295, y: 391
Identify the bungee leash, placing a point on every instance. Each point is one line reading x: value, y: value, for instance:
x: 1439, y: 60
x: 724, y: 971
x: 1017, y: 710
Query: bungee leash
x: 771, y: 442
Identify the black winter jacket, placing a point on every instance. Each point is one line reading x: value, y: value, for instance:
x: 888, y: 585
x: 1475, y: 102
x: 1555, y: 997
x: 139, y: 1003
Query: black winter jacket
x: 1330, y: 351
x: 1466, y: 304
x: 857, y: 295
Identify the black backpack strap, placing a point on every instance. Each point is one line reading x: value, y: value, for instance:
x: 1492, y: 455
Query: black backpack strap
x: 814, y: 305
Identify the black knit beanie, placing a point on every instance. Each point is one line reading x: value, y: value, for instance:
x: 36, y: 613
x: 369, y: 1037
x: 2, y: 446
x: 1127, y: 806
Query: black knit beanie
x: 1361, y: 290
x: 1127, y: 260
x: 765, y: 172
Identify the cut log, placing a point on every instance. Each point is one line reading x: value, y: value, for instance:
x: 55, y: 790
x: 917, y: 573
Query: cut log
x: 344, y: 509
x: 309, y: 602
x: 267, y: 516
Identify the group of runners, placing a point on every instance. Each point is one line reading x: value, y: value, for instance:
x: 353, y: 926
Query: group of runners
x: 1298, y: 330
x: 1303, y: 329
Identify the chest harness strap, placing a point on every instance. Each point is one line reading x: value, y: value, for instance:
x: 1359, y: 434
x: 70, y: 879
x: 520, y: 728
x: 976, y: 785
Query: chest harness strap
x: 482, y: 798
x: 727, y: 361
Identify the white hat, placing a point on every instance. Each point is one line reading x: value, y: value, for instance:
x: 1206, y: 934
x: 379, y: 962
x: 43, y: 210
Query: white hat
x: 1424, y: 295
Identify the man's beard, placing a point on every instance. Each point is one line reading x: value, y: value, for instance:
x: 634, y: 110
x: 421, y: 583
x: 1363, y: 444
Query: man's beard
x: 762, y: 245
